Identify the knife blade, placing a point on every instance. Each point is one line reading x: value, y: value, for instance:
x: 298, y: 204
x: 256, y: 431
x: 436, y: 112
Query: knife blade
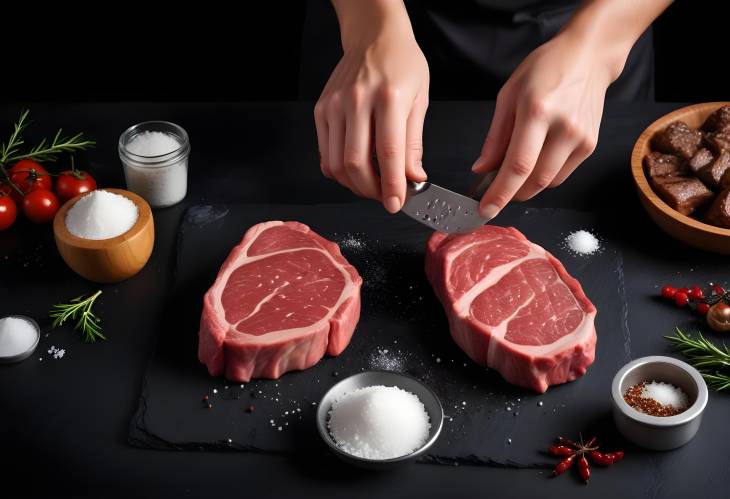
x: 444, y: 210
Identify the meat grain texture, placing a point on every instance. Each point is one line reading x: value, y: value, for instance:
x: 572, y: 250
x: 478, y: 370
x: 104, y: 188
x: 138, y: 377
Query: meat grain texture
x: 283, y: 298
x: 512, y: 306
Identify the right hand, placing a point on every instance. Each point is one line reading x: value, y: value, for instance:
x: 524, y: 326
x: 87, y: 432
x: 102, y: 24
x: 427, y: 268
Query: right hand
x: 377, y: 94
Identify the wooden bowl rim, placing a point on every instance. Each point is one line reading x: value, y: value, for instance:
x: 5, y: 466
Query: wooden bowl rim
x: 62, y: 232
x: 637, y: 167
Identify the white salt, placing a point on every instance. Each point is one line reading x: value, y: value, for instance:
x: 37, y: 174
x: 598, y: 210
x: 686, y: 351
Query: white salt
x: 379, y: 422
x: 17, y: 336
x: 666, y: 394
x: 152, y: 143
x: 101, y: 215
x: 582, y: 242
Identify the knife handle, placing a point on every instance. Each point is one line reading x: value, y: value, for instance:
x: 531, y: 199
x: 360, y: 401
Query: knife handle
x: 481, y: 184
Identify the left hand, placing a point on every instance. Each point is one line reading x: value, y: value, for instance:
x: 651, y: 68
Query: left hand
x: 546, y: 121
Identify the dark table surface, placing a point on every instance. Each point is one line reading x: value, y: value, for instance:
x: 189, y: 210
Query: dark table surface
x: 63, y: 423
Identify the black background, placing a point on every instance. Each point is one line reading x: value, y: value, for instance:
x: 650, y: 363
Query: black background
x: 245, y: 51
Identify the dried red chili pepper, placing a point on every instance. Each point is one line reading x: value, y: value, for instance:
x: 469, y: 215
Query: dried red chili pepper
x: 561, y: 450
x: 564, y: 465
x: 584, y: 469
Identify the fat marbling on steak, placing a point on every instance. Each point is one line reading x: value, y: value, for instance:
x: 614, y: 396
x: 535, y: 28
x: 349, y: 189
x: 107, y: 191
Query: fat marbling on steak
x: 283, y: 298
x: 512, y: 306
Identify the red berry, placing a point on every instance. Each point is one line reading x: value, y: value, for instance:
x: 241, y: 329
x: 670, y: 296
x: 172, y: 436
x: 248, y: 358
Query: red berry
x: 702, y: 308
x: 680, y: 299
x: 718, y: 290
x: 683, y: 290
x: 696, y: 293
x: 668, y: 292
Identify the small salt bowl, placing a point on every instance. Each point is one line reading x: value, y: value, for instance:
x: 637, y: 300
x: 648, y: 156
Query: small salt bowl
x: 657, y: 432
x: 386, y: 378
x: 107, y: 260
x: 28, y: 352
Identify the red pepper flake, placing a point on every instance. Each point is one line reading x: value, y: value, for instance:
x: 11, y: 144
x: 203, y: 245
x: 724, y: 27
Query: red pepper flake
x: 634, y: 397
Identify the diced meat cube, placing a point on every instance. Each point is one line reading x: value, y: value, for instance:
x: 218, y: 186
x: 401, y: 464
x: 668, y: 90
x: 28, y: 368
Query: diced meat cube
x: 684, y: 194
x: 718, y: 121
x: 657, y: 164
x: 713, y: 174
x: 718, y: 141
x: 702, y: 158
x: 679, y: 139
x: 719, y: 212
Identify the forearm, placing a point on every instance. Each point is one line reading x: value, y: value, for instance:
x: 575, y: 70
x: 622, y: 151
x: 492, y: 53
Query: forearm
x: 611, y: 27
x: 364, y: 21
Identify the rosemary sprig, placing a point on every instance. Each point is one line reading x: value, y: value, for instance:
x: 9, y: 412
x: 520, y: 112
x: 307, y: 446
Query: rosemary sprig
x: 712, y: 361
x: 45, y: 151
x: 79, y: 308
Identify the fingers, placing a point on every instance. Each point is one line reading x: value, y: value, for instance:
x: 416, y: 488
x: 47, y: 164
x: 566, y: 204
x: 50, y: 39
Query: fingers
x: 336, y: 125
x: 498, y: 137
x: 390, y: 147
x: 555, y: 152
x: 320, y: 122
x: 528, y: 137
x: 414, y: 140
x: 580, y: 154
x: 357, y: 159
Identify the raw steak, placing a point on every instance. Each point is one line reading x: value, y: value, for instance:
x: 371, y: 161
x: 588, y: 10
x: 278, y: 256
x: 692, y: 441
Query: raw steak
x: 283, y: 298
x: 512, y: 306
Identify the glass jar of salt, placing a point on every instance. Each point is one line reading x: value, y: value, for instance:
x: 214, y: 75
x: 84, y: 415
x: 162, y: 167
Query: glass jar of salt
x: 155, y: 158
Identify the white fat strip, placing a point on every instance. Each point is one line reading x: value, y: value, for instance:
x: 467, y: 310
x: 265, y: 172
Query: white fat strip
x: 462, y: 306
x: 283, y: 334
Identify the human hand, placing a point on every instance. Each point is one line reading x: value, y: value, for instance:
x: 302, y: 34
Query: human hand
x: 377, y: 94
x: 546, y: 121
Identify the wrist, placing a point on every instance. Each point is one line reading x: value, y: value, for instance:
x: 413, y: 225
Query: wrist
x: 366, y: 22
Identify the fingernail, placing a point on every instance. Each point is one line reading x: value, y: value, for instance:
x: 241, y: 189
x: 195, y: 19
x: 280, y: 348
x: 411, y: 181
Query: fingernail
x: 419, y: 168
x: 489, y: 211
x: 392, y: 204
x: 477, y: 164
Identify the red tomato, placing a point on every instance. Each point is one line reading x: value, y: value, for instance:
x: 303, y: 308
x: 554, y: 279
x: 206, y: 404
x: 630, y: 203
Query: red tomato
x: 29, y: 176
x: 8, y: 212
x: 40, y: 206
x: 72, y: 183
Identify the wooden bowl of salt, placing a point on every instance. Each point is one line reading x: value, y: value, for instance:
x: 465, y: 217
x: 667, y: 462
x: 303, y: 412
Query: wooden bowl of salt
x: 89, y: 251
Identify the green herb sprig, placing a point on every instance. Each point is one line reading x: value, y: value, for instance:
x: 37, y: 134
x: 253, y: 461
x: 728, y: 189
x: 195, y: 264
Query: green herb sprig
x: 80, y: 309
x: 711, y: 361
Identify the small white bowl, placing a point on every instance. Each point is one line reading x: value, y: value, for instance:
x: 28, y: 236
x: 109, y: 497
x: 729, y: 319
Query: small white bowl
x: 23, y: 355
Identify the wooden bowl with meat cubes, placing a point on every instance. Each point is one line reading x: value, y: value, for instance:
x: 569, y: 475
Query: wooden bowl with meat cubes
x: 681, y: 168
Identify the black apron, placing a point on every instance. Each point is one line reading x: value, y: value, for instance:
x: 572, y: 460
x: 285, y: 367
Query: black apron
x: 472, y: 47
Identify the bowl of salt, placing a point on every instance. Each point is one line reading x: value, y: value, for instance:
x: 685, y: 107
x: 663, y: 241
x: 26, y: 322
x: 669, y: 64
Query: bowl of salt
x: 106, y: 235
x: 19, y: 336
x: 379, y: 419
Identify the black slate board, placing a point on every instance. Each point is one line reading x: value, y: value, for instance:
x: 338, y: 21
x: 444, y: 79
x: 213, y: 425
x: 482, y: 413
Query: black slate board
x: 402, y: 327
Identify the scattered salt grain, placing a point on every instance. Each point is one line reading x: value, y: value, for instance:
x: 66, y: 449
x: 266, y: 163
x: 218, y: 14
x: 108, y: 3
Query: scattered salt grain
x: 379, y: 422
x: 666, y: 394
x: 215, y: 390
x: 582, y: 242
x: 540, y: 403
x: 17, y: 336
x: 101, y: 215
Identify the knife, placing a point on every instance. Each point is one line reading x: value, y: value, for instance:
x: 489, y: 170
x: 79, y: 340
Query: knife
x: 444, y: 210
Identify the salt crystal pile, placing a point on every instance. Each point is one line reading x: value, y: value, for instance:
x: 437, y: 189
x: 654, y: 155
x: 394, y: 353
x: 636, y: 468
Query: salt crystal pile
x: 101, y: 215
x: 582, y: 242
x: 150, y: 144
x: 379, y: 422
x: 666, y: 394
x: 17, y: 336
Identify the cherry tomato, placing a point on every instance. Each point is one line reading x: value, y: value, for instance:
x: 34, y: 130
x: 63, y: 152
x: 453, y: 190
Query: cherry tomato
x: 668, y: 292
x: 73, y: 182
x: 8, y: 212
x: 680, y: 299
x: 29, y: 176
x: 40, y: 206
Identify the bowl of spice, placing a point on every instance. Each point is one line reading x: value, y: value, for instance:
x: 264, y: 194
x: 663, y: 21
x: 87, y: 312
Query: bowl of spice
x: 378, y: 419
x: 105, y: 235
x: 658, y: 402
